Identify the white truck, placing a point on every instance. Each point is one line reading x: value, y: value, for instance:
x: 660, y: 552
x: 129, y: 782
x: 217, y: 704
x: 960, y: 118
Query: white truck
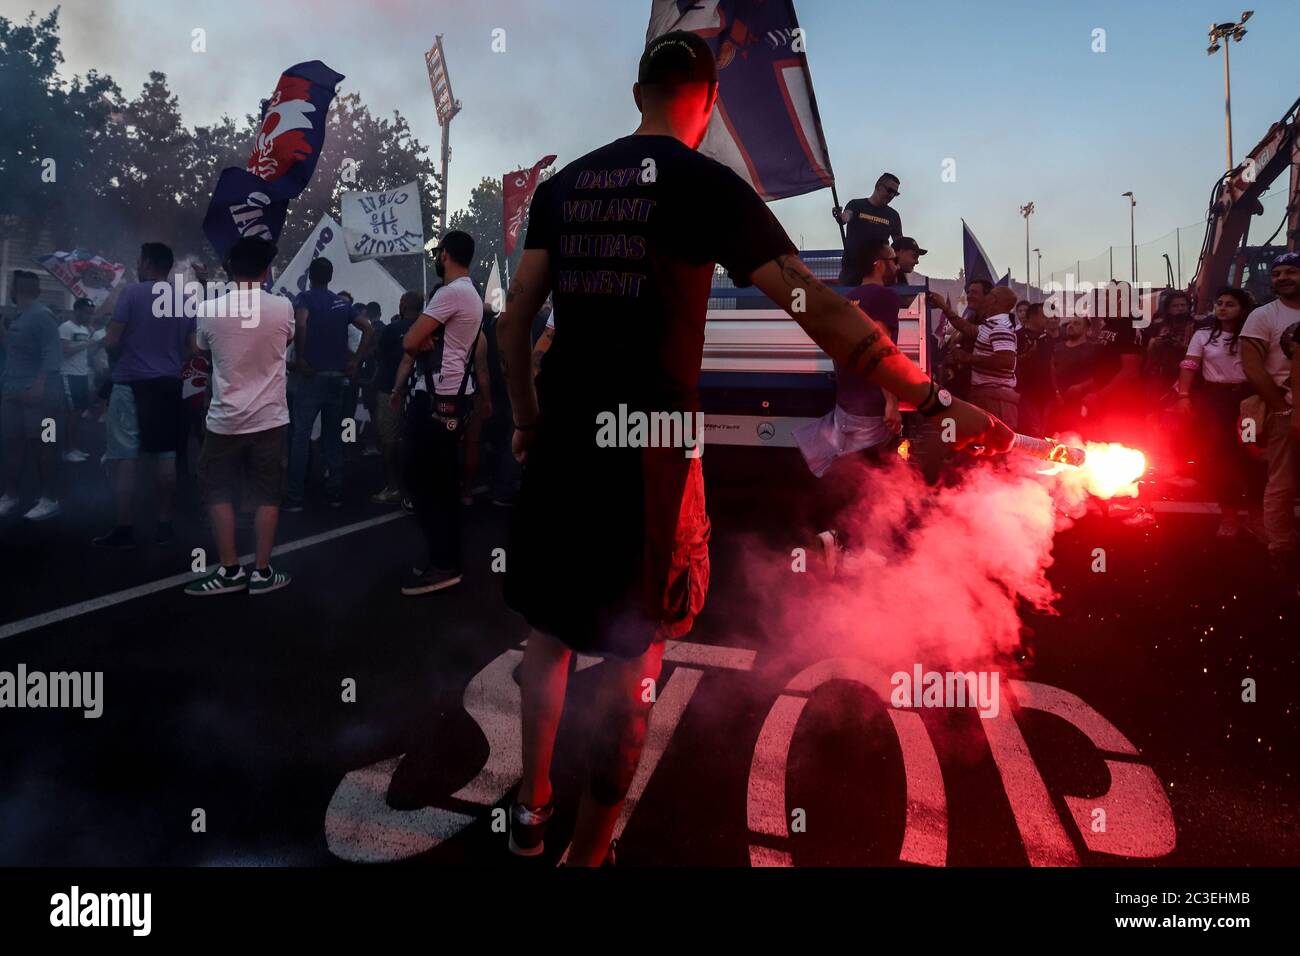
x: 762, y: 376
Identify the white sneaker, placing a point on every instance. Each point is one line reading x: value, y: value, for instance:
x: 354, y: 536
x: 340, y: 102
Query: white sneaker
x: 75, y: 456
x: 7, y: 504
x: 45, y: 508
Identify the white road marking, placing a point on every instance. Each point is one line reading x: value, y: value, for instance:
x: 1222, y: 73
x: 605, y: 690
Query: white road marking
x: 176, y: 580
x: 667, y: 711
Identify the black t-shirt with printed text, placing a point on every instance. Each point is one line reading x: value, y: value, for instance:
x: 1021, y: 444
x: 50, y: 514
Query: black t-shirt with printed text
x: 633, y: 230
x: 869, y: 223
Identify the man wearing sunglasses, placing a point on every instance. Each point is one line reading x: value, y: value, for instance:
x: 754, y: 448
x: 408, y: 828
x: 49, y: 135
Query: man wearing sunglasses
x: 867, y: 220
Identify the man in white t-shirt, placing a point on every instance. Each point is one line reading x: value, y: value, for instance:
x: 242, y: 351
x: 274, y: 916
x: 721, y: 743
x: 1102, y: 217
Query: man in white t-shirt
x: 247, y: 332
x: 1268, y: 345
x: 440, y: 357
x: 74, y: 373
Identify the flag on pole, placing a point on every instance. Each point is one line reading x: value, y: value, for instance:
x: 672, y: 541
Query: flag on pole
x: 493, y: 295
x: 85, y: 275
x: 517, y: 190
x: 765, y: 126
x: 253, y: 201
x: 975, y: 261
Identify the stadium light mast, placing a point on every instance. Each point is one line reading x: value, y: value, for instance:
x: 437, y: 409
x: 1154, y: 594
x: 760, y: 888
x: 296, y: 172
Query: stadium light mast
x: 1027, y: 210
x: 1132, y: 236
x: 1225, y: 34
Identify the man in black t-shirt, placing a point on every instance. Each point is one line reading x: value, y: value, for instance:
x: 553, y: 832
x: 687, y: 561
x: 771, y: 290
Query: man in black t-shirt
x: 867, y: 220
x: 1116, y: 408
x: 1034, y: 371
x: 609, y: 544
x: 388, y: 409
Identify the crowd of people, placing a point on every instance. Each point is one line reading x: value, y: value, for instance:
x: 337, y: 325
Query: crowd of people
x: 430, y: 380
x: 253, y: 401
x: 1209, y: 396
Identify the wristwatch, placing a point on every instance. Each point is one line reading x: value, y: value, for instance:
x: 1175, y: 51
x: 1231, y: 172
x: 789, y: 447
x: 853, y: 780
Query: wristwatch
x: 937, y: 402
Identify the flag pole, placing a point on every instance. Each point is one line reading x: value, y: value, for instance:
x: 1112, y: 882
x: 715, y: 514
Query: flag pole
x: 817, y: 121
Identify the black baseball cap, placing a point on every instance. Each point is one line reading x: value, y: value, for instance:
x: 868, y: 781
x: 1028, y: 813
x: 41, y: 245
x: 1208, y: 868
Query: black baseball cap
x: 675, y: 58
x: 83, y: 304
x: 907, y: 242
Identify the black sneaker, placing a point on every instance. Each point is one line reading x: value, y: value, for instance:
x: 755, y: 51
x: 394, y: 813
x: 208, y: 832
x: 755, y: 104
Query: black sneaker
x: 335, y: 502
x: 119, y: 539
x: 292, y: 506
x: 528, y: 828
x: 428, y: 580
x: 165, y: 533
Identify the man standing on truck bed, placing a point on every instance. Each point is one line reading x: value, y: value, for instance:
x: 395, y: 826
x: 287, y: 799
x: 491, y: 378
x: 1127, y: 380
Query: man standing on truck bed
x: 867, y: 220
x: 609, y: 548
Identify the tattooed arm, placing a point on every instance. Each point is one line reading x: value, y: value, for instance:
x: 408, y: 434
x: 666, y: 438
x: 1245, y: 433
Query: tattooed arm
x: 842, y: 330
x: 541, y: 348
x: 857, y: 342
x: 529, y: 287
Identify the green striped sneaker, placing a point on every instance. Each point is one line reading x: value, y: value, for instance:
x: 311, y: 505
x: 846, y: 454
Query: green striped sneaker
x: 273, y: 580
x: 218, y: 582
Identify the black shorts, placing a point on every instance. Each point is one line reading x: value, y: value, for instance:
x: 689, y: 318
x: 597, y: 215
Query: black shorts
x: 609, y: 548
x: 158, y: 408
x: 247, y: 468
x: 76, y: 392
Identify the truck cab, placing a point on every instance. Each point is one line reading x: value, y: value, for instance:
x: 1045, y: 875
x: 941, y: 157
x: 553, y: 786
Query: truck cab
x: 762, y: 376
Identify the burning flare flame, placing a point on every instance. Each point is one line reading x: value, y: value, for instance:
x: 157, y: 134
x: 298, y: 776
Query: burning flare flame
x: 1110, y: 470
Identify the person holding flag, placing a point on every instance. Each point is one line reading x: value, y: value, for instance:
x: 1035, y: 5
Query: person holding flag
x: 867, y: 221
x: 627, y: 237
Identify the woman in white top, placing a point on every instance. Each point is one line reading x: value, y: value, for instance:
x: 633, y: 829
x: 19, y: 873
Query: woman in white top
x: 1212, y: 384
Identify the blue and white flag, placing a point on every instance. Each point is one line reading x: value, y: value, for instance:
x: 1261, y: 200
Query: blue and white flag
x: 975, y: 261
x: 253, y: 201
x: 765, y: 126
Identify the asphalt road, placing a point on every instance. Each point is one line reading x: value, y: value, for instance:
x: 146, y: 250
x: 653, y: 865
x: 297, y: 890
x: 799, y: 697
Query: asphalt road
x: 1128, y: 701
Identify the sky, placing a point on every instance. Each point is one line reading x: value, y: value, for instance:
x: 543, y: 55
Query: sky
x: 1012, y: 90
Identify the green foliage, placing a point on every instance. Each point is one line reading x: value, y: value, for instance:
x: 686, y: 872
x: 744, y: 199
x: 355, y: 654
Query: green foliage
x: 483, y: 220
x: 131, y: 171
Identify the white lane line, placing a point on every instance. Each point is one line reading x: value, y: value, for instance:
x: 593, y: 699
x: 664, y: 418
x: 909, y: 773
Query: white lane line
x: 176, y: 580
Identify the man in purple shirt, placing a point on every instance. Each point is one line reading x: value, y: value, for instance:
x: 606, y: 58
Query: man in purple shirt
x: 149, y: 338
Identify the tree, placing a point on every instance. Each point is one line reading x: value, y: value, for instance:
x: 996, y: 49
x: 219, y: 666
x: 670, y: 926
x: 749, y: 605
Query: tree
x: 52, y: 133
x: 483, y: 220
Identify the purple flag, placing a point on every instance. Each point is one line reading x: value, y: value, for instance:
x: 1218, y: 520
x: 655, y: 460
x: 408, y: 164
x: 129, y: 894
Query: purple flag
x: 253, y: 201
x: 765, y: 125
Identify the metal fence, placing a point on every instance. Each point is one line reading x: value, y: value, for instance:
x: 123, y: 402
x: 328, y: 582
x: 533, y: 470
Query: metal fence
x: 1171, y: 259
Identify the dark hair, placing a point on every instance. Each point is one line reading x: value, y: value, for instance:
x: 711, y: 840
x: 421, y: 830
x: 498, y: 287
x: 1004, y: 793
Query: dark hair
x: 459, y: 247
x: 1171, y: 296
x: 321, y: 271
x: 159, y: 255
x: 249, y: 257
x: 83, y: 305
x: 24, y: 276
x: 374, y: 308
x: 888, y: 177
x: 988, y: 286
x: 1247, y: 303
x: 1034, y: 308
x: 414, y: 299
